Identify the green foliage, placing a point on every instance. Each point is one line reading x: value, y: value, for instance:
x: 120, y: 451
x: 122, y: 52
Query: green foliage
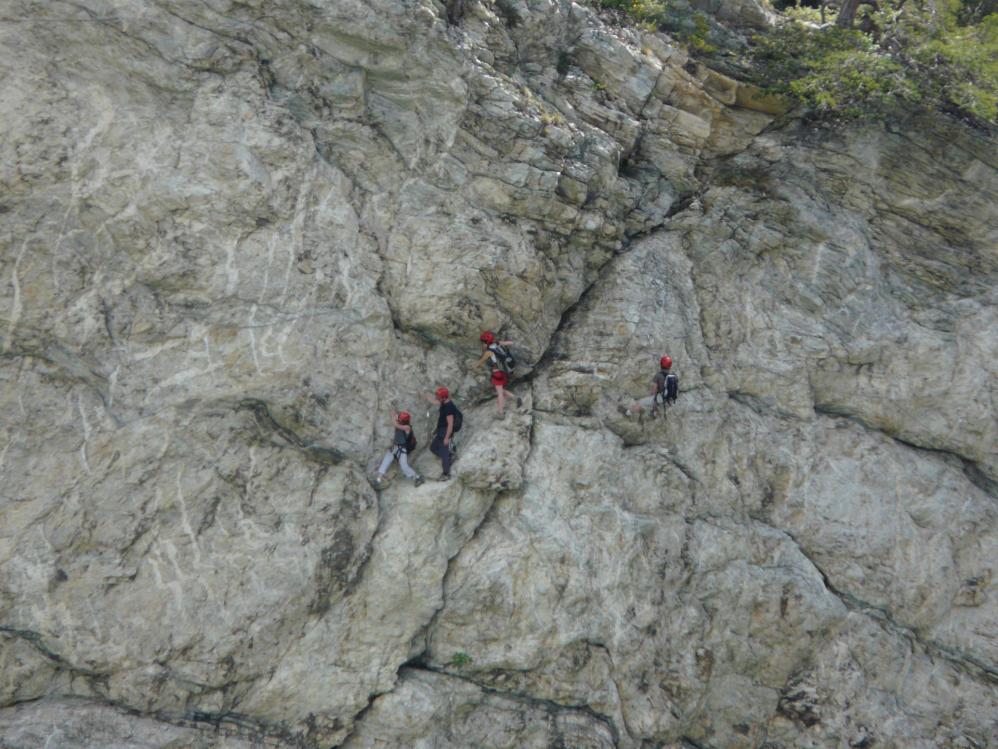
x: 792, y: 51
x: 942, y: 55
x: 644, y: 11
x: 807, y: 14
x: 693, y: 29
x: 961, y: 65
x: 831, y: 71
x: 852, y: 84
x: 460, y: 660
x: 697, y: 37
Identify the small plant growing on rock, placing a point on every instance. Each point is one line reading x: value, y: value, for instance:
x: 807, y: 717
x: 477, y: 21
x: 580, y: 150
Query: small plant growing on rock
x: 697, y: 37
x: 460, y: 659
x: 549, y: 119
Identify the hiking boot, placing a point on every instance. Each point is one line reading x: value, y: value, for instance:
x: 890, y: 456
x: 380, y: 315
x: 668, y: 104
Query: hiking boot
x: 445, y: 477
x: 377, y: 481
x: 624, y: 410
x: 418, y: 480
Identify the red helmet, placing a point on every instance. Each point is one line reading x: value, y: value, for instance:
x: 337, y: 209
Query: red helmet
x: 487, y: 338
x: 666, y: 362
x: 404, y: 417
x: 443, y: 393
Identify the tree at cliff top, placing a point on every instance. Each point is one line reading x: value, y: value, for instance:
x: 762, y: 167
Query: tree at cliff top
x: 877, y: 55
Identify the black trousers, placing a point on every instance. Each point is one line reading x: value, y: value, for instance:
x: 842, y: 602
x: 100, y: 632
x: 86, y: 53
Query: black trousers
x: 442, y: 451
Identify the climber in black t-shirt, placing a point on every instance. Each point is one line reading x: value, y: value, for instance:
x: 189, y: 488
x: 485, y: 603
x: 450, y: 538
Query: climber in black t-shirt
x: 449, y: 422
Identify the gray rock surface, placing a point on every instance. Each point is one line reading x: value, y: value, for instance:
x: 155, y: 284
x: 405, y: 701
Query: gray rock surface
x: 233, y: 235
x: 458, y: 713
x: 78, y: 724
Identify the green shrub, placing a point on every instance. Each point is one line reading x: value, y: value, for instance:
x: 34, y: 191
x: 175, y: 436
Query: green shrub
x: 697, y: 37
x: 960, y: 66
x: 693, y: 29
x: 942, y: 54
x: 853, y: 84
x: 460, y: 660
x: 905, y: 54
x: 832, y: 71
x: 808, y: 14
x: 640, y: 10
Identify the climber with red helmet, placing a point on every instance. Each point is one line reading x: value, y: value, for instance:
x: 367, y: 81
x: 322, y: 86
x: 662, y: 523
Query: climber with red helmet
x: 449, y: 422
x: 665, y: 390
x: 501, y: 360
x: 403, y: 445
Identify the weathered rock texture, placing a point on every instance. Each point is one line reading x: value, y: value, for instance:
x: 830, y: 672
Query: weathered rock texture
x: 234, y: 234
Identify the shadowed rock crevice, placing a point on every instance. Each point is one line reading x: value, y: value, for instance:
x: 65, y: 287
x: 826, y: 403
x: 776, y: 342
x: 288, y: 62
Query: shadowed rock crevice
x: 971, y: 469
x: 80, y: 721
x: 38, y: 642
x: 420, y: 641
x: 269, y: 426
x: 973, y: 667
x: 547, y: 710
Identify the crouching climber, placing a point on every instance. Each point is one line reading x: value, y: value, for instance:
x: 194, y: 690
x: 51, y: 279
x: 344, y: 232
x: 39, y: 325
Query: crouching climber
x: 403, y: 445
x: 449, y: 422
x: 501, y: 360
x: 665, y: 390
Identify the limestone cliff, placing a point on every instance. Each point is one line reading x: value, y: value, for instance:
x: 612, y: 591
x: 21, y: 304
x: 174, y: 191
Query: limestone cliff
x: 235, y: 234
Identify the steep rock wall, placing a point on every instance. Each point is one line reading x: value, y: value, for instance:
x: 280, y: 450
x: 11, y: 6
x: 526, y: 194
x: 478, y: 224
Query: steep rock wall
x: 236, y: 233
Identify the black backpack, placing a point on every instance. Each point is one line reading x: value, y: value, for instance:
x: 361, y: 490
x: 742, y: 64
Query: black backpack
x: 671, y: 388
x: 504, y: 358
x: 458, y: 420
x: 410, y: 441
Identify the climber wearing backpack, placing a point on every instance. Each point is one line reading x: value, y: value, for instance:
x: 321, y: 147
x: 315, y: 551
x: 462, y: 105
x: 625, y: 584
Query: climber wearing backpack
x: 449, y: 422
x: 665, y: 390
x: 501, y: 361
x: 403, y: 445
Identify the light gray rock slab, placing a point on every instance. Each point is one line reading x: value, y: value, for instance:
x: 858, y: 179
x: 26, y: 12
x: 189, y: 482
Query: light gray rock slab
x: 78, y: 724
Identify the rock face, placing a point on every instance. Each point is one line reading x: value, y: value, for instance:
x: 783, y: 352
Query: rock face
x: 235, y: 234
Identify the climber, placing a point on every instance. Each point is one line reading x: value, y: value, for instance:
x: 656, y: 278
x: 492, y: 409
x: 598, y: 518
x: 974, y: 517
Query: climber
x: 502, y: 362
x: 665, y: 390
x: 449, y: 422
x: 403, y: 445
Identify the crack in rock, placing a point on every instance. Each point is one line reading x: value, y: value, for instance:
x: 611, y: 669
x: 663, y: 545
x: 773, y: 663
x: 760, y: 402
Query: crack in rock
x: 527, y: 699
x: 37, y: 641
x: 268, y: 424
x: 974, y: 667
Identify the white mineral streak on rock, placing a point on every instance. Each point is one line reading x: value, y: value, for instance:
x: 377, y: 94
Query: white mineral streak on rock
x: 236, y: 234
